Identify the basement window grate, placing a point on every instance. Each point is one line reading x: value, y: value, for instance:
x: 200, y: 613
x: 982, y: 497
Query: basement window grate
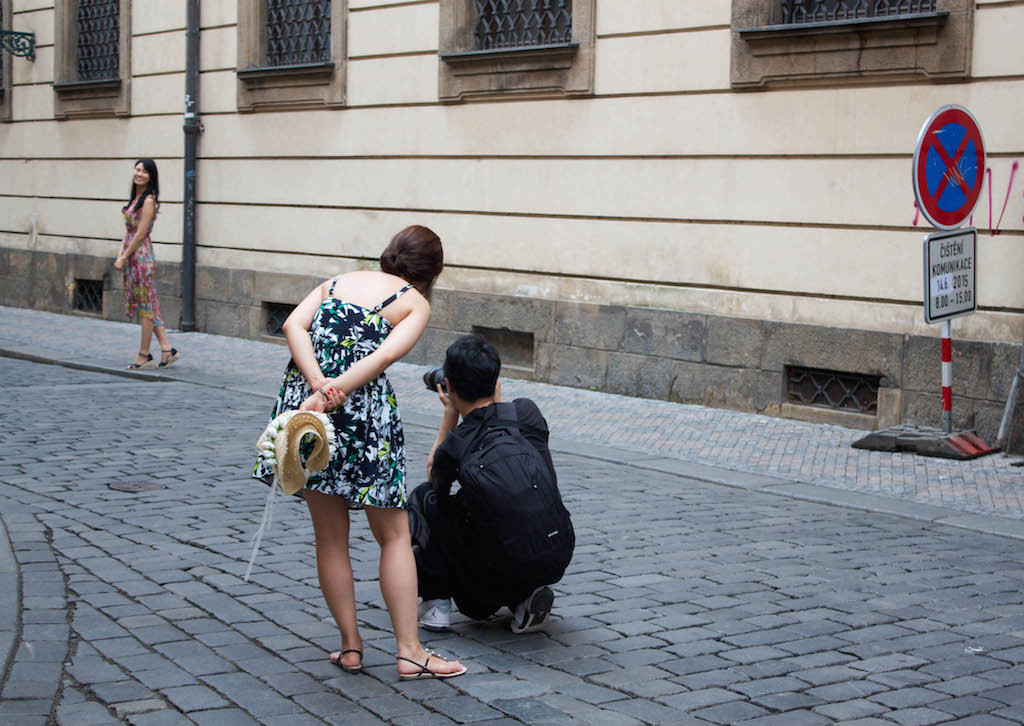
x: 275, y: 314
x: 515, y: 347
x: 856, y: 392
x: 88, y: 296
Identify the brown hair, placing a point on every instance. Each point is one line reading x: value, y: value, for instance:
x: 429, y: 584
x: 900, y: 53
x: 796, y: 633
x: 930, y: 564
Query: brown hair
x: 416, y: 256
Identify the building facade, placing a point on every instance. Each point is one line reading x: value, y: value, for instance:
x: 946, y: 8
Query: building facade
x: 706, y: 202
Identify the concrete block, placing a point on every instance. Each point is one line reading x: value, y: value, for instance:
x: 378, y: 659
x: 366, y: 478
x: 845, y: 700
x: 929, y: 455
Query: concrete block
x: 89, y: 267
x: 590, y: 326
x: 431, y: 348
x: 525, y: 315
x: 836, y: 349
x: 740, y: 389
x: 988, y: 415
x: 281, y: 287
x: 19, y: 263
x: 639, y: 376
x: 1005, y: 360
x: 5, y: 260
x: 734, y: 341
x: 925, y: 409
x: 442, y: 309
x: 52, y: 289
x: 170, y: 309
x: 578, y: 367
x: 972, y: 365
x: 223, y: 318
x: 16, y: 291
x: 665, y: 333
x: 213, y: 283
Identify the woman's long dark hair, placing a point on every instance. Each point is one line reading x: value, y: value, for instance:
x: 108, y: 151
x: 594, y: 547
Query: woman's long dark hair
x: 152, y: 188
x: 415, y: 255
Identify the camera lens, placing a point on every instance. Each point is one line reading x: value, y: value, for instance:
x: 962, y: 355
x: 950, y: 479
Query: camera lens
x: 433, y: 378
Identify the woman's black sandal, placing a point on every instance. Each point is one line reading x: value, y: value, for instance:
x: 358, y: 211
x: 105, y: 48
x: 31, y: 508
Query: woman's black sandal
x: 144, y: 364
x: 347, y: 669
x: 425, y: 672
x: 164, y: 363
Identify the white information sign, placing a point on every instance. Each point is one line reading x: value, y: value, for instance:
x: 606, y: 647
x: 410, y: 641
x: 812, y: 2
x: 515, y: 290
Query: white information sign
x: 950, y: 274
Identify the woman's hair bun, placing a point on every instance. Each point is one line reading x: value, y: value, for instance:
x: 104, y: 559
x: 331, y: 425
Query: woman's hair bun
x: 415, y: 255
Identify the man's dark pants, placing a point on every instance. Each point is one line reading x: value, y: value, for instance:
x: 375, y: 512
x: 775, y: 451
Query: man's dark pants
x: 447, y: 566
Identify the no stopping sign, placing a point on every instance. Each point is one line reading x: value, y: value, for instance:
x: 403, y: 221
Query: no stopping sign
x: 949, y: 167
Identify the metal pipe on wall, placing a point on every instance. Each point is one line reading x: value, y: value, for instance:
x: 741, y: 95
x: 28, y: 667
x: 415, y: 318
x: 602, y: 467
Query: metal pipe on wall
x: 192, y: 130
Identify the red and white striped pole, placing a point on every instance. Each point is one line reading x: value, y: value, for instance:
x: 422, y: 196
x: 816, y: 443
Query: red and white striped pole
x: 947, y: 377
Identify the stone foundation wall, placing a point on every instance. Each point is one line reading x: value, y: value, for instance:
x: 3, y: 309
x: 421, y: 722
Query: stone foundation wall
x: 661, y: 354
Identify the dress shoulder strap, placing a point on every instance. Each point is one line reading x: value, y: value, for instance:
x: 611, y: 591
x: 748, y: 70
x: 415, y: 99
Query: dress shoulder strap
x: 330, y: 293
x: 392, y: 298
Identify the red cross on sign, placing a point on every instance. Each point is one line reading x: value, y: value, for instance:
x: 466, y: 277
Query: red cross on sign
x: 949, y: 167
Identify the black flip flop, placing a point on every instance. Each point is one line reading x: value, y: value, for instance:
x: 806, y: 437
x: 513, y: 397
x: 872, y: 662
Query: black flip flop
x: 425, y: 672
x: 354, y: 669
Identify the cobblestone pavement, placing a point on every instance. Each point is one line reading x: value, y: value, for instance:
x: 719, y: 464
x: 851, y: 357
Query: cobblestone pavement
x: 809, y: 460
x: 686, y: 603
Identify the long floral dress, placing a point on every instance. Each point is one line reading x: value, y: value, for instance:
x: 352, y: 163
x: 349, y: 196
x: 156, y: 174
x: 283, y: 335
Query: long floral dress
x: 140, y: 269
x: 368, y: 468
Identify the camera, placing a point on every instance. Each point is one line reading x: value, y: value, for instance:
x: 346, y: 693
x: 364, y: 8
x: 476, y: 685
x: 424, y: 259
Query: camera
x: 434, y: 378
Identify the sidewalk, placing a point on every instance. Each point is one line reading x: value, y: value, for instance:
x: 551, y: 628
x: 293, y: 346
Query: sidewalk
x: 797, y: 459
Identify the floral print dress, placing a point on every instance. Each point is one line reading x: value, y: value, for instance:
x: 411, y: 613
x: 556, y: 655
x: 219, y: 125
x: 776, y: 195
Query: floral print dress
x: 368, y: 468
x: 140, y: 269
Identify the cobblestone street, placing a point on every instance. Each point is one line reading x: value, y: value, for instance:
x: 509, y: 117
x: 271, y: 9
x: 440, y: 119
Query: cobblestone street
x: 687, y: 602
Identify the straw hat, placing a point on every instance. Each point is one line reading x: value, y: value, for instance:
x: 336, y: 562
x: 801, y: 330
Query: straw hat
x: 279, y: 447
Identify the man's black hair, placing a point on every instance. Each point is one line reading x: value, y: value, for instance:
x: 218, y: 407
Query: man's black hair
x: 471, y: 367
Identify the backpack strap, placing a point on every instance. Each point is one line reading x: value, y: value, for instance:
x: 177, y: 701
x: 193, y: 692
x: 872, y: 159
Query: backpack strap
x: 392, y: 298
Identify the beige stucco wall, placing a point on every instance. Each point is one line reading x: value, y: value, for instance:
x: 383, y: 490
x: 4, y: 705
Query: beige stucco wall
x: 665, y: 189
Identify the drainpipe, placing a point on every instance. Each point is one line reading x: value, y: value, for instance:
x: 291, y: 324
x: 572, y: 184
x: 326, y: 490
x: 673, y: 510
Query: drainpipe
x: 192, y: 130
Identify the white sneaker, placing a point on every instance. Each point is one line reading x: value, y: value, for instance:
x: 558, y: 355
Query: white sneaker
x: 531, y: 613
x: 436, y: 615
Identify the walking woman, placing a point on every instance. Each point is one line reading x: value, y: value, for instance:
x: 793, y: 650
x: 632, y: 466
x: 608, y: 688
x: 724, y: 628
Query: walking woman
x: 137, y: 263
x: 342, y: 337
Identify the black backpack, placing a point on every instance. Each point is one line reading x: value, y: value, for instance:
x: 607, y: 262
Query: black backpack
x: 510, y: 501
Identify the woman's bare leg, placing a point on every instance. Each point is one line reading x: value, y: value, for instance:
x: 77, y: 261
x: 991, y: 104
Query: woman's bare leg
x: 390, y: 528
x: 161, y: 337
x: 334, y: 569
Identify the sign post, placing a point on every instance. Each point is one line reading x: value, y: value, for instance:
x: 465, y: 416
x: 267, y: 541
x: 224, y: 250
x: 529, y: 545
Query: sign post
x: 948, y: 175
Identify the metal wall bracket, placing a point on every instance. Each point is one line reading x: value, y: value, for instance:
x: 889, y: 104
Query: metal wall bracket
x: 19, y: 44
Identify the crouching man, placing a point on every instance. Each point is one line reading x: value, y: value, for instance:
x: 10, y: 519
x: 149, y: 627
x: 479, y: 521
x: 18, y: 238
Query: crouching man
x: 504, y: 535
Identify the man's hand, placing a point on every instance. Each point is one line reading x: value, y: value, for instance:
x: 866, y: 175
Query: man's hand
x: 445, y: 399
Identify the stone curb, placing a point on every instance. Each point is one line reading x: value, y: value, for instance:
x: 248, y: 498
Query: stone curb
x: 34, y: 663
x: 10, y: 613
x: 705, y: 473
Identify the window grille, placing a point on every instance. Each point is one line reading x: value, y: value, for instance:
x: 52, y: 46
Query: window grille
x: 821, y: 11
x: 99, y: 40
x: 519, y: 23
x: 298, y: 31
x: 276, y: 314
x: 832, y: 389
x: 88, y: 296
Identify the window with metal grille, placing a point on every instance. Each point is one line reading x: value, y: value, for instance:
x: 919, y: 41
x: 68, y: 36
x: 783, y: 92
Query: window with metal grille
x: 519, y: 23
x: 856, y: 392
x: 823, y: 11
x: 99, y: 39
x: 298, y: 32
x: 275, y: 315
x: 88, y: 296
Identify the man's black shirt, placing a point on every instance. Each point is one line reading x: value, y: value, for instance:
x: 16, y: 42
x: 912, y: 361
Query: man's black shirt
x: 532, y: 426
